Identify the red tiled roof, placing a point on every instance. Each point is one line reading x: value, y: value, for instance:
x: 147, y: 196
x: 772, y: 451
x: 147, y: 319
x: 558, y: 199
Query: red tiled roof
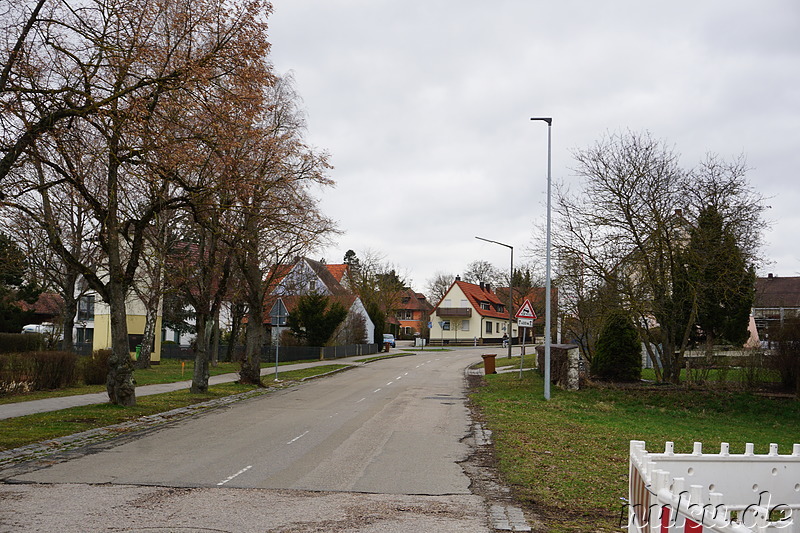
x: 48, y: 303
x: 416, y: 302
x: 338, y: 271
x: 475, y: 295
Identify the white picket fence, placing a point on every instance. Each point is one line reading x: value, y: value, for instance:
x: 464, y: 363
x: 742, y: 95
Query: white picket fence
x: 722, y: 493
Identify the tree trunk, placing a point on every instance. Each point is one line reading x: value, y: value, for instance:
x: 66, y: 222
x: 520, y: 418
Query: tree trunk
x: 250, y: 372
x: 201, y: 373
x: 215, y: 340
x: 149, y: 335
x: 70, y: 310
x: 119, y: 384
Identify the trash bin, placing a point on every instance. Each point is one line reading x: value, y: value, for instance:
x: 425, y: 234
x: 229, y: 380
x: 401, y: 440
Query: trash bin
x: 488, y: 363
x: 138, y: 352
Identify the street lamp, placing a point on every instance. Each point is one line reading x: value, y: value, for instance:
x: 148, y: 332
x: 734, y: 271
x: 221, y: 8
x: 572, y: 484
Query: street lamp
x: 549, y: 121
x: 510, y: 291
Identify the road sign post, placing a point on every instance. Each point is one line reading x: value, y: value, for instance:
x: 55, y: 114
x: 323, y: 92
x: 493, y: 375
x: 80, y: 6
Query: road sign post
x: 525, y: 317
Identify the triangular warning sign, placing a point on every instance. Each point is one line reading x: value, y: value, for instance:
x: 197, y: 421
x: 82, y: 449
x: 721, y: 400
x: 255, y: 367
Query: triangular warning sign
x: 526, y: 311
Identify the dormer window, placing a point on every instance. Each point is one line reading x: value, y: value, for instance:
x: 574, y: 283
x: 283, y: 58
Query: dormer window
x: 486, y: 306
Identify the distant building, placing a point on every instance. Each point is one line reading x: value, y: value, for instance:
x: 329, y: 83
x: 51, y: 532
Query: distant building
x: 777, y: 299
x: 413, y: 313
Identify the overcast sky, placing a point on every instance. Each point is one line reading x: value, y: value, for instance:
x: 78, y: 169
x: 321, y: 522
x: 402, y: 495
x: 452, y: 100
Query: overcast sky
x: 424, y: 107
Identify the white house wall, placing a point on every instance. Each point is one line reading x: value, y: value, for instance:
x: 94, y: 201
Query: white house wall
x: 358, y: 309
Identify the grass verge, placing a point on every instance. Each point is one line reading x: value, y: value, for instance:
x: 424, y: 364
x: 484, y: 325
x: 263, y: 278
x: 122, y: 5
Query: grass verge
x: 20, y: 431
x: 169, y: 371
x: 567, y: 459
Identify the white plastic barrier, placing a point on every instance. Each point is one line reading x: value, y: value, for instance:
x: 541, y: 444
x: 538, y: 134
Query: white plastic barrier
x: 723, y: 493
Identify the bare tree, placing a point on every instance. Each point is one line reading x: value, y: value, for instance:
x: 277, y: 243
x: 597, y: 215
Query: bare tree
x: 278, y: 217
x: 480, y: 271
x: 629, y: 230
x: 438, y: 285
x: 78, y: 233
x: 97, y: 90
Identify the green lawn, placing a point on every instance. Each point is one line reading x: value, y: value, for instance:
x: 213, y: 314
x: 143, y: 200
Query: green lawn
x: 567, y: 458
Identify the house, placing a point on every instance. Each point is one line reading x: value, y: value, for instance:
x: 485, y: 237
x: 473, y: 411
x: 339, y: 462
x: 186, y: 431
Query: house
x: 777, y: 299
x: 93, y: 324
x: 412, y: 313
x: 307, y: 276
x: 470, y: 313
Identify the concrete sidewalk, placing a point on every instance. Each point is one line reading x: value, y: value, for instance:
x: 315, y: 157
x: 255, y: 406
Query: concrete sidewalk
x: 12, y: 410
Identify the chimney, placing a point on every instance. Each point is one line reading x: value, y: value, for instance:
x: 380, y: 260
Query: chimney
x: 769, y: 276
x: 481, y: 285
x: 488, y: 288
x: 458, y: 278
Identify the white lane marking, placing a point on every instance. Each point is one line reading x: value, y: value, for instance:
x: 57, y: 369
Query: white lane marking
x: 376, y: 390
x: 361, y: 400
x: 239, y: 473
x: 398, y: 377
x: 389, y: 383
x: 298, y: 437
x: 419, y: 365
x: 405, y: 374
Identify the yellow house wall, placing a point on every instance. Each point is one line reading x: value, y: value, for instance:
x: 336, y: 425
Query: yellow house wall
x: 102, y: 333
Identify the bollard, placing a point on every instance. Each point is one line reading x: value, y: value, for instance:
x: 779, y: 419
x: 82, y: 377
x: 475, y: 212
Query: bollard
x: 489, y: 363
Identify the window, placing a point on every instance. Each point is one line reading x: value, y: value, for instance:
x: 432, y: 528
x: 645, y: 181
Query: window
x: 86, y: 308
x: 488, y: 327
x: 465, y: 325
x: 446, y: 325
x: 464, y: 303
x: 448, y: 303
x: 485, y: 306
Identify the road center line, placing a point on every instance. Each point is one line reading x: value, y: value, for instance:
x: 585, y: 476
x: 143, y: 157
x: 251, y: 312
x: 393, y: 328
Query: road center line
x: 298, y: 437
x: 239, y: 473
x: 389, y: 383
x: 361, y: 400
x: 376, y: 390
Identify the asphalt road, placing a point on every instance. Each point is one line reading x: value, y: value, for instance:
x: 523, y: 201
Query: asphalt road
x: 377, y: 448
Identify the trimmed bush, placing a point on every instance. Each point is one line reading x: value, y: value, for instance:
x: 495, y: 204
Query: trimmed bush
x: 22, y: 372
x: 618, y: 353
x: 95, y: 368
x: 21, y: 342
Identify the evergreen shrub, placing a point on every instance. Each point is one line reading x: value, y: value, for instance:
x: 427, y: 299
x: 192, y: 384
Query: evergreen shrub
x: 618, y: 353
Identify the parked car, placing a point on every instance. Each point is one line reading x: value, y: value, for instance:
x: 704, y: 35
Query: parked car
x: 388, y: 337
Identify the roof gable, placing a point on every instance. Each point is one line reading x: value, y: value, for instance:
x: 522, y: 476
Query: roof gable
x: 477, y: 295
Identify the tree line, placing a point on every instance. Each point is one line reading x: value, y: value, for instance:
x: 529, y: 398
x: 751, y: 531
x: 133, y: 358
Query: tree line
x: 147, y: 140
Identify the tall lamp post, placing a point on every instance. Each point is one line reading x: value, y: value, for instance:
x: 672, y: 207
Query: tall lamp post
x: 510, y: 291
x: 549, y: 121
